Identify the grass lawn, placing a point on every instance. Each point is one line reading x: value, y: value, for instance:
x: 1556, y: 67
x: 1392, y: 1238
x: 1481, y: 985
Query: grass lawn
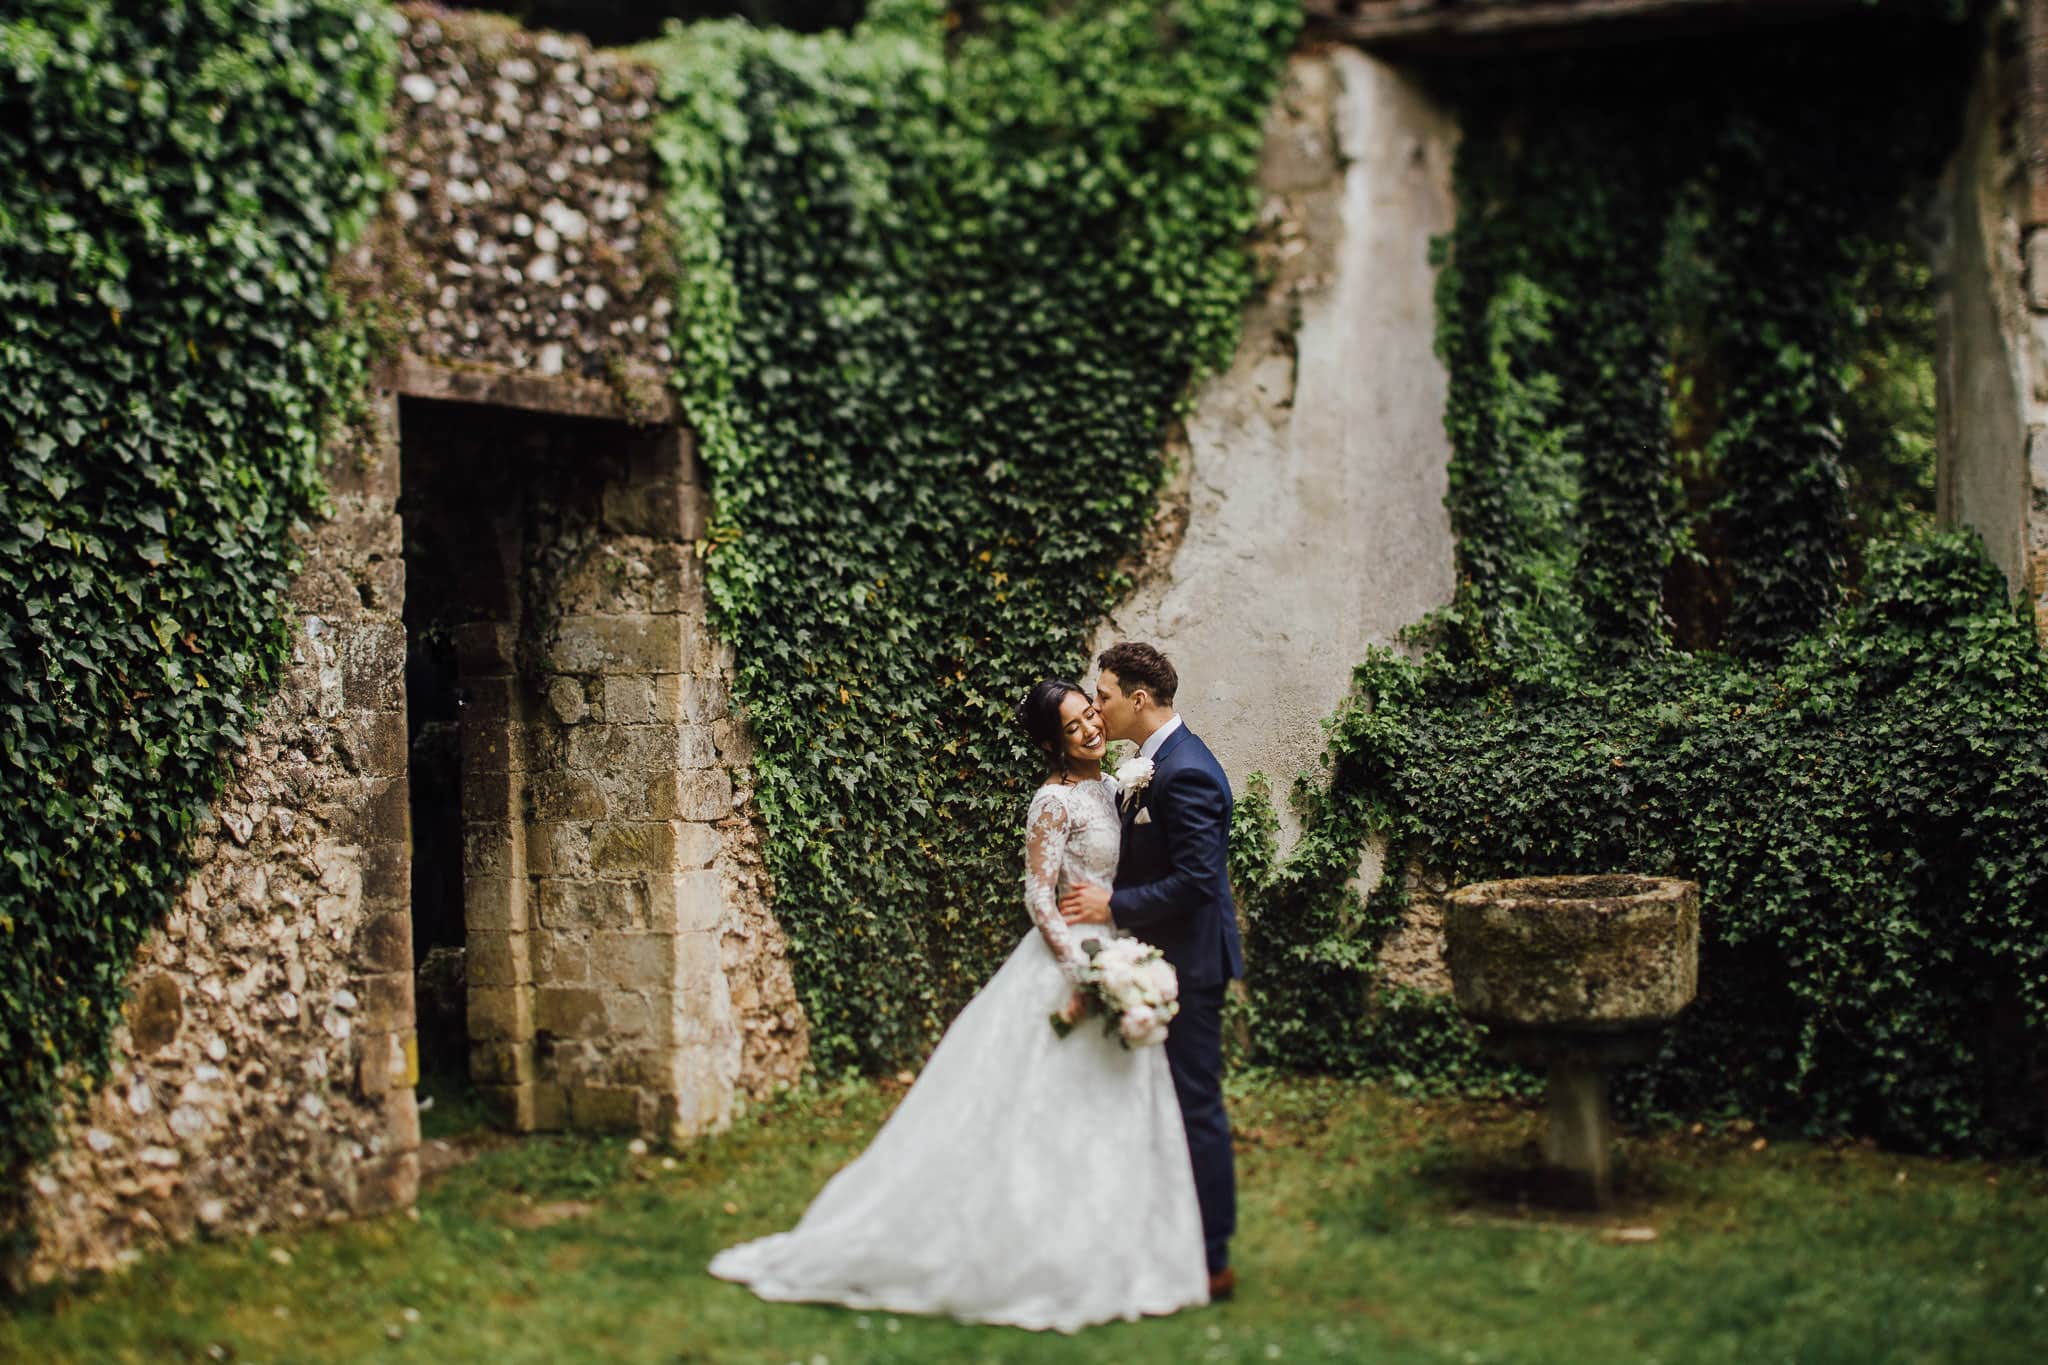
x: 1372, y: 1228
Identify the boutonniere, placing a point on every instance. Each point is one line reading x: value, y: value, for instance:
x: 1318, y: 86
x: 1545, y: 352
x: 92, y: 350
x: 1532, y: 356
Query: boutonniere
x: 1133, y: 775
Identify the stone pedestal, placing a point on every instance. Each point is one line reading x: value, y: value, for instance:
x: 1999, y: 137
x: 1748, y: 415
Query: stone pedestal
x: 1577, y: 974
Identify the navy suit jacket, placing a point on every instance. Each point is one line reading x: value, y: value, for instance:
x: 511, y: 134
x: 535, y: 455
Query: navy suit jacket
x: 1173, y: 875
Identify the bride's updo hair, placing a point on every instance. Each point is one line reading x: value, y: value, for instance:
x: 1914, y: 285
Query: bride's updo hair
x: 1040, y: 712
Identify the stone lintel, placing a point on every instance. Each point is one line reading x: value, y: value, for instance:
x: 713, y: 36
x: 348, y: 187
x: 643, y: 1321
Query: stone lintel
x: 1451, y: 27
x: 416, y: 376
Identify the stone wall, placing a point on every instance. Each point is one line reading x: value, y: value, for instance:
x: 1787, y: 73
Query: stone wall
x: 1316, y: 465
x: 625, y: 967
x: 525, y: 231
x: 598, y: 801
x: 264, y: 1074
x: 1993, y: 310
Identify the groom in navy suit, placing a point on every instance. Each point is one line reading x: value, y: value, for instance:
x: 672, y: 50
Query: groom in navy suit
x: 1173, y: 891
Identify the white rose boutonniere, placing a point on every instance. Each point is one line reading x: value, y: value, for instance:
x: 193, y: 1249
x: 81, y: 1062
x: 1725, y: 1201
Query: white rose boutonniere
x: 1133, y: 775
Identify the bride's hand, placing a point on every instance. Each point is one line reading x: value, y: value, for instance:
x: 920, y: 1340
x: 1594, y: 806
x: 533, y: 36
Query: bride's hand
x: 1076, y: 1007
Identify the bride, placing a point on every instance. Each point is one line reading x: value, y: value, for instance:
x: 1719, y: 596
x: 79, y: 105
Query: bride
x: 1026, y: 1179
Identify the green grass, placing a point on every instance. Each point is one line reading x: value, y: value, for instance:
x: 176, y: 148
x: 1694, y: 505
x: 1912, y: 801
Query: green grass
x: 1373, y: 1228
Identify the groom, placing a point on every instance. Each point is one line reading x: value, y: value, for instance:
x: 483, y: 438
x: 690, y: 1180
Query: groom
x: 1173, y: 891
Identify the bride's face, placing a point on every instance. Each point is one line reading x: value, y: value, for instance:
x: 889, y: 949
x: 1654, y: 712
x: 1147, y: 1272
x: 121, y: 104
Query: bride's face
x: 1081, y: 733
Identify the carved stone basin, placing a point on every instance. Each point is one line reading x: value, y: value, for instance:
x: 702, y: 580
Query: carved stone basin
x: 1577, y: 974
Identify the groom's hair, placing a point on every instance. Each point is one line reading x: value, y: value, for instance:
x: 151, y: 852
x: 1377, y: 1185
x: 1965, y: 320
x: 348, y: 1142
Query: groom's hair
x: 1136, y: 665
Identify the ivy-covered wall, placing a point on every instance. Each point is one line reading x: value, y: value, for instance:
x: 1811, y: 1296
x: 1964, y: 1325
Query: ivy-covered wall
x: 171, y: 357
x: 946, y: 282
x: 1660, y: 361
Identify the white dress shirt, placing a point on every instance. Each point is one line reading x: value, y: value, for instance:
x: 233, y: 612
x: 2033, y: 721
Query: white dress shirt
x: 1150, y: 748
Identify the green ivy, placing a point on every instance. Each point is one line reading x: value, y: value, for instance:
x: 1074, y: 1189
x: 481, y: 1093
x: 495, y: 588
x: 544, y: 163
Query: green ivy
x: 178, y: 178
x: 1859, y: 780
x: 947, y: 282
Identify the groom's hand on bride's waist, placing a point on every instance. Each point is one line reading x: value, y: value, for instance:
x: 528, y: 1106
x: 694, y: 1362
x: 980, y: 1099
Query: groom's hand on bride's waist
x: 1085, y: 905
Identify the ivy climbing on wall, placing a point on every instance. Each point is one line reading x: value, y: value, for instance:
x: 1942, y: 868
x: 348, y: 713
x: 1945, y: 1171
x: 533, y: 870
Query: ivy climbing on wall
x: 947, y: 282
x: 179, y: 176
x: 1854, y: 765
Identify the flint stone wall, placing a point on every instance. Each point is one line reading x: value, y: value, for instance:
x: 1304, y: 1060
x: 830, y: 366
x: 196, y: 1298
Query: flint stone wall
x: 264, y: 1073
x: 524, y: 234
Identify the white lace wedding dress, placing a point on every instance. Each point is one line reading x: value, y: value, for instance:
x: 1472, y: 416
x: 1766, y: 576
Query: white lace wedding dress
x: 1026, y: 1179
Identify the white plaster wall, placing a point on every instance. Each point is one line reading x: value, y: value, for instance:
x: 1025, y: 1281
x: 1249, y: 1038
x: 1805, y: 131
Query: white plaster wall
x: 1316, y: 523
x: 1982, y: 477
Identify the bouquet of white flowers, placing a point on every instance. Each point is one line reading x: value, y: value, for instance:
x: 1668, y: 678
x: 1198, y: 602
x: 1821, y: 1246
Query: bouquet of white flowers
x: 1135, y: 985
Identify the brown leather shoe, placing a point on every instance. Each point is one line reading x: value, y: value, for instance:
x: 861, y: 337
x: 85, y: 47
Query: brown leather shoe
x: 1222, y: 1285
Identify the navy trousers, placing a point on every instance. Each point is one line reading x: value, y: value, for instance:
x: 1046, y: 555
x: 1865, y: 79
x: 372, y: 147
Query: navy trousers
x: 1194, y: 1053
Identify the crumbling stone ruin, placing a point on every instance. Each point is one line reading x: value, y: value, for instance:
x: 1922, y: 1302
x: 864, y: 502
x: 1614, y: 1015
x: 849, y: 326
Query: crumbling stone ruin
x: 505, y: 731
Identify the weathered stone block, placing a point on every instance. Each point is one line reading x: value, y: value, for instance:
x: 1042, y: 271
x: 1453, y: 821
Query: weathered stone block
x: 380, y: 585
x: 384, y: 1002
x: 664, y: 454
x: 626, y: 1013
x: 568, y: 700
x: 629, y: 700
x: 386, y: 1183
x: 558, y: 849
x: 494, y: 699
x: 635, y: 846
x: 494, y: 903
x: 500, y: 1013
x: 698, y: 844
x: 700, y: 976
x: 387, y: 816
x: 570, y: 1011
x: 381, y: 1062
x: 501, y: 1063
x: 401, y: 1119
x: 521, y: 1108
x: 156, y: 1011
x: 497, y: 959
x: 373, y: 665
x: 384, y: 944
x: 376, y: 741
x: 541, y: 746
x: 701, y: 1103
x: 734, y: 742
x: 491, y: 794
x: 368, y: 474
x: 560, y: 957
x: 686, y: 902
x: 360, y: 528
x: 592, y: 905
x: 702, y: 794
x: 695, y: 747
x: 487, y: 746
x: 638, y: 643
x: 387, y: 873
x: 699, y: 700
x: 565, y: 796
x: 662, y: 510
x: 638, y: 748
x: 604, y: 1108
x: 489, y: 850
x: 634, y: 961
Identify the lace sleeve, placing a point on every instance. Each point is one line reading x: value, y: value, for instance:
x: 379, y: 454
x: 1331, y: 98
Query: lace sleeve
x: 1045, y: 846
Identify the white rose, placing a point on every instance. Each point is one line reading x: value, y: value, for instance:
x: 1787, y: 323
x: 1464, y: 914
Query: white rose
x: 1132, y: 776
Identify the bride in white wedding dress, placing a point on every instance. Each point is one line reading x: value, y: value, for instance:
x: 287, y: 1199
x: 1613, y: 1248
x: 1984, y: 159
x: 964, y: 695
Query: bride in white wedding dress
x: 1026, y: 1178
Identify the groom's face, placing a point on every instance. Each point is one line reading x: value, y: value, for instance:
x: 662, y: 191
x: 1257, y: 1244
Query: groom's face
x: 1119, y: 714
